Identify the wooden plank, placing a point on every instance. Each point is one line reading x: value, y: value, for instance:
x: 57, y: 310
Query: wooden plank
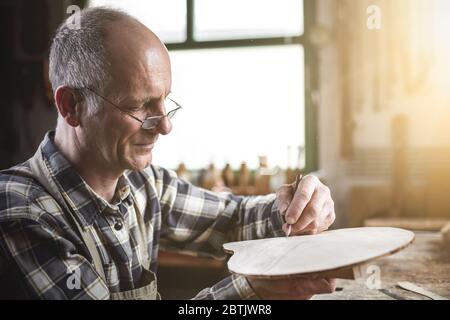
x: 416, y: 224
x: 424, y: 263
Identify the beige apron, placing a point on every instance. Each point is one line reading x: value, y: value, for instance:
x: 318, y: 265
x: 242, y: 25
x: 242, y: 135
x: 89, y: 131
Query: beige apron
x: 148, y: 289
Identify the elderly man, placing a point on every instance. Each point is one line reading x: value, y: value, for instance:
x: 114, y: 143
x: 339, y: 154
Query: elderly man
x: 86, y: 216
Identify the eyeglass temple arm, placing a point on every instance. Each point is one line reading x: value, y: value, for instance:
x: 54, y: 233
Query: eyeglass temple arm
x: 115, y: 106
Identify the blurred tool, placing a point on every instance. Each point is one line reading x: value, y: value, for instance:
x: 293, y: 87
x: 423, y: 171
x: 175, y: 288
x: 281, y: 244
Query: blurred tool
x: 446, y: 233
x: 416, y: 289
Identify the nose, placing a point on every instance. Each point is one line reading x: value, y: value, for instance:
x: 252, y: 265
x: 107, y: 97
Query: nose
x: 164, y: 126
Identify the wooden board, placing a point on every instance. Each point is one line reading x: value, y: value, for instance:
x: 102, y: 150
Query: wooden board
x: 417, y: 224
x: 330, y: 254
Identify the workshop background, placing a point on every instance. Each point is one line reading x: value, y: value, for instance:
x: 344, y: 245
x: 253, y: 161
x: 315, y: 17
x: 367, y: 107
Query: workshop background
x: 356, y: 91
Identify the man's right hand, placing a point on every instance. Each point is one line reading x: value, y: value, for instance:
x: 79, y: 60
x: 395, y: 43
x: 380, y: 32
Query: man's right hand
x: 298, y: 288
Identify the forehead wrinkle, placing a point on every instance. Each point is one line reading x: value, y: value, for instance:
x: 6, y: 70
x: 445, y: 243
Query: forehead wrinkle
x: 157, y: 84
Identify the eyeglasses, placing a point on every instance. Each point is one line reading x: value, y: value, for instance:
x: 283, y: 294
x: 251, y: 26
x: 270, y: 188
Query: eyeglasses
x: 149, y: 122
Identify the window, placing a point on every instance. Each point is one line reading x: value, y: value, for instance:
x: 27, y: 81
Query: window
x: 238, y: 69
x: 167, y: 18
x: 236, y: 107
x: 232, y: 19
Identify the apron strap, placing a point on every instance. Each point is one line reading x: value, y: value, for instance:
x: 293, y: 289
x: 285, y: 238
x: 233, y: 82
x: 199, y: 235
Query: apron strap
x: 42, y: 175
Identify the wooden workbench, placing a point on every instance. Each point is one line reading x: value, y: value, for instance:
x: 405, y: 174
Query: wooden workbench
x: 425, y: 263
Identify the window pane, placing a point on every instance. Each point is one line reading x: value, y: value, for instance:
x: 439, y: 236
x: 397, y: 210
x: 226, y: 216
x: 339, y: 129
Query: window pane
x: 231, y: 19
x: 238, y: 103
x: 166, y: 18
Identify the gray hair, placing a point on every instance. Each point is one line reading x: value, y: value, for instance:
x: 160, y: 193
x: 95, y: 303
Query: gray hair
x: 78, y: 56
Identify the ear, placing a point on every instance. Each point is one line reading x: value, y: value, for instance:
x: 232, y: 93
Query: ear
x: 66, y: 100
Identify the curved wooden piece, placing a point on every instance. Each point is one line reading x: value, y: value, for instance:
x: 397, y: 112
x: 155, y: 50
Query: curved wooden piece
x: 330, y: 253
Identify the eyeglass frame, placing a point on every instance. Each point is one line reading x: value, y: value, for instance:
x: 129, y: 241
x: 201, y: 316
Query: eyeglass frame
x: 142, y: 122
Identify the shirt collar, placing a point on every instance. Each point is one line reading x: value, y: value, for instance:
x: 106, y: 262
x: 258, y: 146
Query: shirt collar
x: 83, y: 199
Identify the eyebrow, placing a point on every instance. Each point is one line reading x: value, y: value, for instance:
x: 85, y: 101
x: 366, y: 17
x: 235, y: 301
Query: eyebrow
x: 131, y: 103
x: 144, y: 101
x: 147, y: 100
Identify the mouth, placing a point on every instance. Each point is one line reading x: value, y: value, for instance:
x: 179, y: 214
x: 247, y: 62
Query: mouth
x: 145, y: 146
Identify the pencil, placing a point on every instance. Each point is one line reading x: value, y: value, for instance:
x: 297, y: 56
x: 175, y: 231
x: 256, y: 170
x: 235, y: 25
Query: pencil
x: 298, y: 178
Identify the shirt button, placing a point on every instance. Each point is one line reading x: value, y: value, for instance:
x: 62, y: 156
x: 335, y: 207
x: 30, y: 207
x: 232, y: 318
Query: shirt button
x: 118, y: 225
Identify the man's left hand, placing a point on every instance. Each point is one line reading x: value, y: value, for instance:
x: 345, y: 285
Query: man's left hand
x: 309, y: 209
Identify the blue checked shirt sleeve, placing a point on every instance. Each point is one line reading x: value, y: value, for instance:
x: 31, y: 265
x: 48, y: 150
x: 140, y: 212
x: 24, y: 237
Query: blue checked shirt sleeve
x: 198, y: 222
x: 233, y: 287
x: 46, y: 265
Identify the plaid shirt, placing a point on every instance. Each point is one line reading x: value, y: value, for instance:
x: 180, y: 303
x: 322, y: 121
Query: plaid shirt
x: 40, y: 251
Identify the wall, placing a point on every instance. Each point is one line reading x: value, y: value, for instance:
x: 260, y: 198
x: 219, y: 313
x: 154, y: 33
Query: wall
x: 373, y: 83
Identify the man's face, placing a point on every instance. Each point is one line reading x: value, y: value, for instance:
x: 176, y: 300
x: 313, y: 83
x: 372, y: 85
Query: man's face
x: 141, y: 81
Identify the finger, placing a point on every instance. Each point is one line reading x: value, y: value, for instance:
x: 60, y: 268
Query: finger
x: 312, y: 228
x: 299, y: 288
x: 274, y: 290
x: 316, y: 226
x: 331, y: 216
x: 285, y: 290
x: 314, y: 215
x: 287, y: 286
x: 284, y: 198
x: 325, y: 285
x: 301, y: 198
x: 286, y: 227
x: 332, y: 283
x: 317, y: 286
x: 329, y: 220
